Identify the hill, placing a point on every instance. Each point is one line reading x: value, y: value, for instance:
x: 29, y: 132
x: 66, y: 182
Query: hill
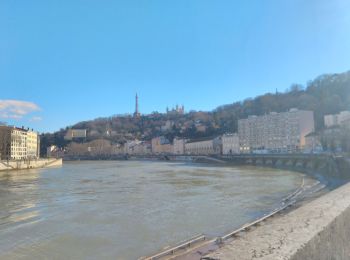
x: 327, y: 94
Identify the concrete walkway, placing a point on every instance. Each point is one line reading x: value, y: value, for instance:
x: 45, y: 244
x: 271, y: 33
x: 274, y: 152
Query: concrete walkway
x: 317, y: 230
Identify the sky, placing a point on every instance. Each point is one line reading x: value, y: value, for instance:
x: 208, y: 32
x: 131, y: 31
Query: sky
x: 65, y: 61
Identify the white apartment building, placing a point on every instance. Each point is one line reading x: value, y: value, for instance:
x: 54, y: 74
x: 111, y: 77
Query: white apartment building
x: 275, y: 132
x: 18, y: 143
x: 32, y: 145
x: 230, y: 144
x: 337, y: 119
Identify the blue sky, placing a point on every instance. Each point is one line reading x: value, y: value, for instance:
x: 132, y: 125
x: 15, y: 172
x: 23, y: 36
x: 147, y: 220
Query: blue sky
x: 63, y: 61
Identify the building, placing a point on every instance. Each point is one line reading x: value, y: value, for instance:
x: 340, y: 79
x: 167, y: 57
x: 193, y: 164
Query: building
x: 275, y: 132
x: 18, y: 143
x: 168, y: 126
x: 340, y: 119
x: 179, y: 145
x: 230, y: 144
x: 130, y: 147
x: 313, y: 143
x: 161, y: 145
x: 54, y: 152
x: 203, y: 147
x: 74, y: 134
x: 178, y: 110
x: 33, y: 145
x: 137, y: 147
x: 217, y: 145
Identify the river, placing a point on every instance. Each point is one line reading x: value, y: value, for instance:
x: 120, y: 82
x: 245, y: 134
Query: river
x: 129, y: 209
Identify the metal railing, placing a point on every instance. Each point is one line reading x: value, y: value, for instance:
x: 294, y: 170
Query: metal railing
x: 181, y: 246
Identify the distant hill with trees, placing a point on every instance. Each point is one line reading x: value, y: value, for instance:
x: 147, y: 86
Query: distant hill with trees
x: 327, y: 94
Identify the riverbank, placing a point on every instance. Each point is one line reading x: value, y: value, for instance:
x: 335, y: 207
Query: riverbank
x: 311, y: 227
x: 194, y: 249
x: 332, y: 174
x: 29, y: 164
x: 316, y: 230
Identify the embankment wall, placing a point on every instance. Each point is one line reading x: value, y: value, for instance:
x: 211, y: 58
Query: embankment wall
x: 29, y: 164
x: 317, y: 230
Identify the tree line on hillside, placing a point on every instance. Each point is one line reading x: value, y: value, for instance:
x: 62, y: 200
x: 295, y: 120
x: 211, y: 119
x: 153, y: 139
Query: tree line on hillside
x: 327, y: 94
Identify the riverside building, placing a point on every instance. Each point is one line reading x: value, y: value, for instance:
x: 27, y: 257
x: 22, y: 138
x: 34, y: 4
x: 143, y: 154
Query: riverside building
x: 204, y: 147
x: 18, y: 143
x: 230, y: 144
x: 179, y: 145
x: 33, y: 145
x: 340, y: 119
x: 275, y: 132
x: 161, y: 145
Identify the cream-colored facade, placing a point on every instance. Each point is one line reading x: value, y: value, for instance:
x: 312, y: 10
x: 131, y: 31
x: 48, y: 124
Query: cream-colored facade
x: 32, y: 145
x: 230, y: 144
x: 200, y: 148
x: 161, y: 145
x: 275, y: 132
x: 313, y: 143
x: 337, y: 119
x: 18, y: 143
x: 179, y: 146
x: 75, y: 134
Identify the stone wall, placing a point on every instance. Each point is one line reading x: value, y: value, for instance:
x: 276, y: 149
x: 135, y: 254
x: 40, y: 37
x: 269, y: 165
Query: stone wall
x: 30, y: 164
x: 317, y: 230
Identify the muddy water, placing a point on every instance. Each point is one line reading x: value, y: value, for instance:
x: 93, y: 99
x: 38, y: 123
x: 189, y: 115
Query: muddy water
x: 124, y: 210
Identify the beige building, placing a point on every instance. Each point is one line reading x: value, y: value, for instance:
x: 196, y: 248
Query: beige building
x: 161, y: 145
x: 18, y: 143
x: 340, y: 119
x: 203, y: 147
x: 275, y: 132
x: 75, y: 134
x: 179, y: 145
x: 33, y: 145
x: 230, y: 144
x: 313, y: 143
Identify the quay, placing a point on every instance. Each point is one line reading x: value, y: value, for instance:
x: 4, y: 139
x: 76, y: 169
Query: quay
x: 318, y: 230
x: 9, y: 165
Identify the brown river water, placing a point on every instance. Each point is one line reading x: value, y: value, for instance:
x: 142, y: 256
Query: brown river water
x: 129, y: 209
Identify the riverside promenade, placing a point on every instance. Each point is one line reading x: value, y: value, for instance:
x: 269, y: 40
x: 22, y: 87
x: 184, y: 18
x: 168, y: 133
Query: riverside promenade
x: 29, y: 164
x: 317, y: 229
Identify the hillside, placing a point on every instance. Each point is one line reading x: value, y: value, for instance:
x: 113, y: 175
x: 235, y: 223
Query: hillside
x: 327, y: 94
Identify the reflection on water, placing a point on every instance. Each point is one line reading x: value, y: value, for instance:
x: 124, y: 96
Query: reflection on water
x: 124, y: 210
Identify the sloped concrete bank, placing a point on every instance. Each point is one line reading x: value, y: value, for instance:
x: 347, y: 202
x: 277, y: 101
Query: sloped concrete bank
x: 29, y: 164
x: 317, y: 230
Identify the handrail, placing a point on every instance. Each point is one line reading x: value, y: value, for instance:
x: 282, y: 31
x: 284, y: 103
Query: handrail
x: 246, y: 226
x: 277, y: 210
x: 172, y: 250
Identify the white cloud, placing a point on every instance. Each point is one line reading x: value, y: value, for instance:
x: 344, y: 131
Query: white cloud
x: 35, y: 118
x: 16, y: 109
